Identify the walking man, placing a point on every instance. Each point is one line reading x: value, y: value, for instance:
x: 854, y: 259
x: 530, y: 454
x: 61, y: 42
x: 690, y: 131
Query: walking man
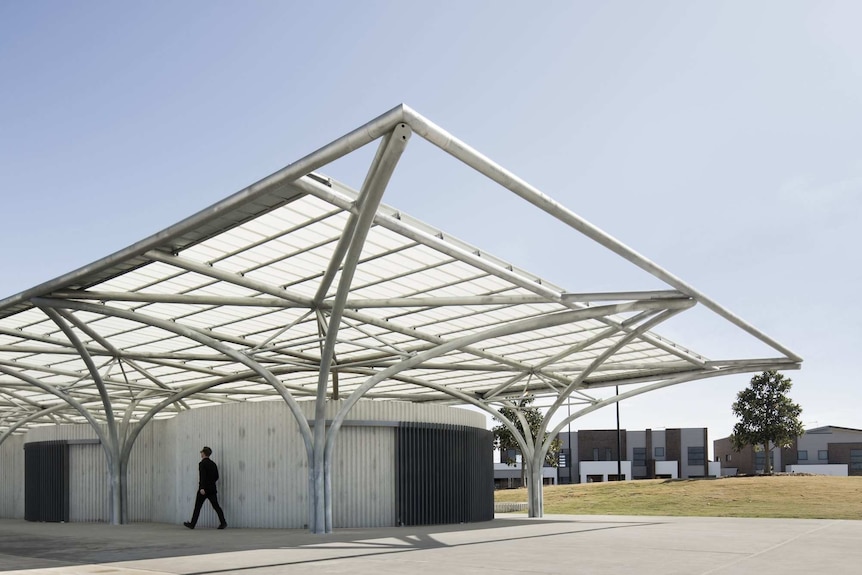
x: 207, y: 477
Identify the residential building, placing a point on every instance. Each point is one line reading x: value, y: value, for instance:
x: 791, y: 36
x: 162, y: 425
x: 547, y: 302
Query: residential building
x: 828, y: 450
x: 590, y: 455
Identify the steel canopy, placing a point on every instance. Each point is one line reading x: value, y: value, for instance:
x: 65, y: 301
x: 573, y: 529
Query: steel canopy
x: 302, y: 287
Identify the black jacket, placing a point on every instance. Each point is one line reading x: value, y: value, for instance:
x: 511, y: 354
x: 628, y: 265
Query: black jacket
x: 208, y: 475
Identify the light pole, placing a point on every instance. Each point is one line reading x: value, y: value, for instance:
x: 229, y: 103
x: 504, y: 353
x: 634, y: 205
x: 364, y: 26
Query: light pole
x: 569, y: 439
x: 619, y: 441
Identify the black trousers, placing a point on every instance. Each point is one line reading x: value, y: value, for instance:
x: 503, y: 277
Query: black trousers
x: 199, y: 502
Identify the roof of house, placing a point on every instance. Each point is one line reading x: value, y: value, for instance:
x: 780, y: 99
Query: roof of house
x: 831, y: 428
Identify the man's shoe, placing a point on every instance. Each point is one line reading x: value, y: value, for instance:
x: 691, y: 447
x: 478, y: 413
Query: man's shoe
x: 222, y: 526
x: 188, y: 524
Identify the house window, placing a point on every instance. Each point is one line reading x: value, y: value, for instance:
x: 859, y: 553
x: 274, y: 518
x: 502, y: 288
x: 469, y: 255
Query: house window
x: 856, y: 459
x: 760, y: 459
x: 727, y: 457
x: 595, y: 453
x: 696, y: 456
x: 823, y: 454
x: 802, y: 455
x: 659, y: 451
x: 639, y: 456
x: 609, y: 456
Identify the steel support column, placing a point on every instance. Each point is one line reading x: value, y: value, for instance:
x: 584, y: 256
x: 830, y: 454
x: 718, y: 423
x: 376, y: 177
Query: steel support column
x: 201, y: 338
x: 380, y: 172
x: 535, y: 491
x: 560, y: 318
x: 112, y: 447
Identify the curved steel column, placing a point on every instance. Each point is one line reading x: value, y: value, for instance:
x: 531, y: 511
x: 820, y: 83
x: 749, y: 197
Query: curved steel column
x: 560, y: 318
x: 112, y: 447
x: 201, y: 338
x: 391, y: 148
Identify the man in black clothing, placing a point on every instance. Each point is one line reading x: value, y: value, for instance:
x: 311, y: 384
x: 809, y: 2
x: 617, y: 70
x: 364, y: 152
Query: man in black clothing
x: 207, y: 477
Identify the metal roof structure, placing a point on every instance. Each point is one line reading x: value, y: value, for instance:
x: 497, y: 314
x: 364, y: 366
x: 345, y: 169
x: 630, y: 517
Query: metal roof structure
x: 301, y: 287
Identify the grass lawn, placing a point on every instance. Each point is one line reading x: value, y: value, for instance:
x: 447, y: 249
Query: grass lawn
x: 797, y: 496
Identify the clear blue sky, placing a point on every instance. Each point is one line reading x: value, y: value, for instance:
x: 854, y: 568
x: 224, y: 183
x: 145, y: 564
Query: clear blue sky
x: 722, y: 140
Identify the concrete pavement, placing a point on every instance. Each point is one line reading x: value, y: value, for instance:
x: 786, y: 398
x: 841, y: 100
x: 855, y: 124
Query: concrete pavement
x: 511, y: 544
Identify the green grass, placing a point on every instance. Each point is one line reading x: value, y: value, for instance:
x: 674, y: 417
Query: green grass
x: 792, y: 496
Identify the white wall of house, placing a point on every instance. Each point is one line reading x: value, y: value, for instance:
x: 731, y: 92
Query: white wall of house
x: 837, y: 469
x: 605, y: 468
x: 504, y: 471
x: 667, y: 468
x: 715, y: 469
x: 11, y: 470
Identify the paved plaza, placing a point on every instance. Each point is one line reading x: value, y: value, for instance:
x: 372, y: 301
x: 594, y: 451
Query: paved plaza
x: 509, y: 544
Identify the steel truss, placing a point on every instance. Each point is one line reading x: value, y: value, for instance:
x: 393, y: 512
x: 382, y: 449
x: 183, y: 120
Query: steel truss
x: 299, y: 287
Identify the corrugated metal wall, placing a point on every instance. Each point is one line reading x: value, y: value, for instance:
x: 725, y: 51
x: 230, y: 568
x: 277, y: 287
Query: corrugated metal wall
x: 88, y: 484
x: 363, y: 487
x: 261, y: 459
x: 262, y: 463
x: 89, y: 481
x: 264, y: 469
x: 445, y: 474
x: 89, y: 491
x: 164, y: 493
x: 403, y: 411
x: 141, y: 477
x: 46, y: 481
x: 12, y: 478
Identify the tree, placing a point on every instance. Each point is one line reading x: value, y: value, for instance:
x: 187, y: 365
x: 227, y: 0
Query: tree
x: 767, y: 417
x: 505, y: 440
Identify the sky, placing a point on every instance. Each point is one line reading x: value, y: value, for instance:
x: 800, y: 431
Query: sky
x: 722, y: 140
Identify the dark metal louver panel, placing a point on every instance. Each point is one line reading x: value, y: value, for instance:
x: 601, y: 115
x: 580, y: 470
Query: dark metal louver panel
x: 445, y: 474
x: 46, y: 481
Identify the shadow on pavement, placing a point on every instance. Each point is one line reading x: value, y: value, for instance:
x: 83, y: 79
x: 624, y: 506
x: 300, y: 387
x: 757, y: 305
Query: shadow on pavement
x: 27, y: 545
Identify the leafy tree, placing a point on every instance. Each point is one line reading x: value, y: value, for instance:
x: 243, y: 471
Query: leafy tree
x: 505, y: 440
x: 767, y: 417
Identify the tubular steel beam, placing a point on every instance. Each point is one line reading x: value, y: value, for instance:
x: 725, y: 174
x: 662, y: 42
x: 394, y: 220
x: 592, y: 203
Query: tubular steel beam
x: 203, y: 269
x: 112, y: 447
x: 77, y: 405
x: 560, y: 318
x: 199, y: 337
x: 350, y: 228
x: 458, y: 149
x: 394, y: 224
x: 370, y: 198
x: 535, y: 488
x: 32, y: 417
x: 328, y: 153
x: 620, y: 296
